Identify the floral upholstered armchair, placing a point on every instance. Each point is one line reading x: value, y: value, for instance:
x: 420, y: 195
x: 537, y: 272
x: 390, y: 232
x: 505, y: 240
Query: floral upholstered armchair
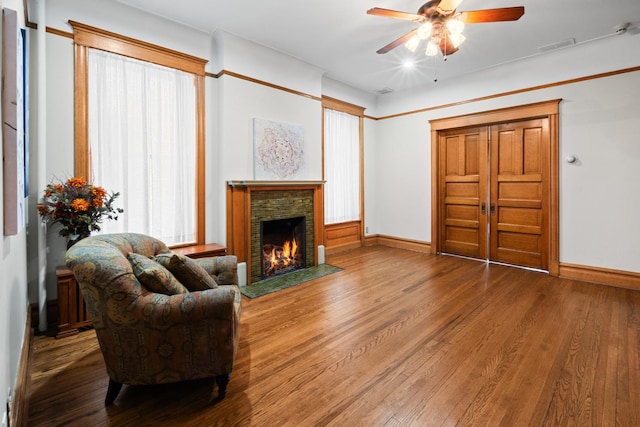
x: 159, y: 317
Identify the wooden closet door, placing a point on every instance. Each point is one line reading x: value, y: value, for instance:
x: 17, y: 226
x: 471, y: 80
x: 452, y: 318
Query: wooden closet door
x: 463, y: 192
x: 519, y: 194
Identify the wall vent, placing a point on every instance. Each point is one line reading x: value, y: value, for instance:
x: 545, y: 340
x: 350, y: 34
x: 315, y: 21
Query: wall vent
x: 384, y: 90
x: 557, y: 45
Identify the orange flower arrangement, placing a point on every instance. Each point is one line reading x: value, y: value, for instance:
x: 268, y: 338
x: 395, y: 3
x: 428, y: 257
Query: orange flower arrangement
x: 78, y: 206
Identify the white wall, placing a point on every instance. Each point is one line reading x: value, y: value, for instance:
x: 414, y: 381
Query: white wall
x: 599, y: 195
x: 614, y: 53
x: 403, y: 179
x: 242, y: 101
x: 125, y: 20
x: 59, y: 139
x: 258, y: 62
x: 341, y: 91
x: 371, y: 165
x: 13, y: 284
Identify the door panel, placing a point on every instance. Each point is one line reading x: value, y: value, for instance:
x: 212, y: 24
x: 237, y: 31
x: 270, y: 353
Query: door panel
x: 519, y: 193
x: 463, y: 188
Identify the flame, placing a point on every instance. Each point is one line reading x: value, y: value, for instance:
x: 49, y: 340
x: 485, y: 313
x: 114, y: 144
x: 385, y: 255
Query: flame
x: 284, y: 257
x: 273, y: 260
x: 286, y: 252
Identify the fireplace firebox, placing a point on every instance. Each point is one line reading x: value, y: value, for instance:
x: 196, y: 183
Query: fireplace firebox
x: 283, y: 246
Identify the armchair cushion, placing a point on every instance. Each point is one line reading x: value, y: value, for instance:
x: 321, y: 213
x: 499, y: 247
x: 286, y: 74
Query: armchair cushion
x: 154, y: 276
x: 193, y: 276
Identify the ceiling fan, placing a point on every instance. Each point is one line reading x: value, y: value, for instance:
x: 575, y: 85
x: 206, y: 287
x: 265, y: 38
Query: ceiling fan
x: 441, y: 26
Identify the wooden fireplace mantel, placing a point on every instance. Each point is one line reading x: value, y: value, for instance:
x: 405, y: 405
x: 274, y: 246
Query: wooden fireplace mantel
x: 279, y: 184
x: 239, y: 215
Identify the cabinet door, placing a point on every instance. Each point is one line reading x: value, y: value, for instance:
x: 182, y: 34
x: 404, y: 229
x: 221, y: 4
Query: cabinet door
x: 520, y: 193
x: 463, y: 192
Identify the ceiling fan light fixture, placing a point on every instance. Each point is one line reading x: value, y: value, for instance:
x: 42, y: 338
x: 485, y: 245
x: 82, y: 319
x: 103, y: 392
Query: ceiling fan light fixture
x: 424, y: 31
x: 412, y: 43
x: 441, y: 26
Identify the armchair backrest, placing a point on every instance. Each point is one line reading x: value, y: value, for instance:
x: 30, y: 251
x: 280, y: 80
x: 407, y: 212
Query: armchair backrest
x: 104, y: 273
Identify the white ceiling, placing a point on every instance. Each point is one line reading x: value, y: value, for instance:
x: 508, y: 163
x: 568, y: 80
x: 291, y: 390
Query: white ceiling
x: 339, y: 37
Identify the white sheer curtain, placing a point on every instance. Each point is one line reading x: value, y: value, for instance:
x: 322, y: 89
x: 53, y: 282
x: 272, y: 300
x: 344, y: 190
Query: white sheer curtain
x: 341, y: 166
x: 142, y: 142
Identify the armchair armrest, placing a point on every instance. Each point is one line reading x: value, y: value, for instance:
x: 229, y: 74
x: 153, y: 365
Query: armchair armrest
x: 223, y: 269
x: 162, y: 311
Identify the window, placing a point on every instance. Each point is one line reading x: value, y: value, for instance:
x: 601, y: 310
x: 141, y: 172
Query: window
x: 139, y: 131
x: 142, y: 133
x: 342, y: 160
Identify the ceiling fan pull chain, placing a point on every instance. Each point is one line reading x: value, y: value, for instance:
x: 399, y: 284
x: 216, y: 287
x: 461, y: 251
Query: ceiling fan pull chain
x: 435, y: 69
x: 446, y: 34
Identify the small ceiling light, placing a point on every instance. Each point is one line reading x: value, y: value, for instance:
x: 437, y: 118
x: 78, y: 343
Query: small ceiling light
x: 432, y: 48
x: 412, y: 43
x: 456, y: 39
x: 408, y: 64
x: 455, y: 26
x: 424, y: 31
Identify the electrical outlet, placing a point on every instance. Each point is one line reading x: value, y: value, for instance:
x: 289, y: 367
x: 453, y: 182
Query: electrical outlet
x: 5, y: 415
x: 366, y: 230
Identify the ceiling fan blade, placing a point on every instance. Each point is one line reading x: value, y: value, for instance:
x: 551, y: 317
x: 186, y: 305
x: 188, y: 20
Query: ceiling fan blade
x: 491, y: 15
x: 397, y: 42
x: 446, y: 7
x: 446, y: 47
x: 388, y: 13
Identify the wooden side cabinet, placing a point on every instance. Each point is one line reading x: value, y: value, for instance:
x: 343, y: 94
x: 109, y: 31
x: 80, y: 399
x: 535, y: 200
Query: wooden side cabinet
x: 72, y: 311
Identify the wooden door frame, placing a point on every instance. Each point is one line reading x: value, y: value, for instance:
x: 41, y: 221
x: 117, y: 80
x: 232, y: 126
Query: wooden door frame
x: 547, y: 109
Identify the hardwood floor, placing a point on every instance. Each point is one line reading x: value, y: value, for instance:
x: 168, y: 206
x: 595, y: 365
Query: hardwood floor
x: 398, y: 338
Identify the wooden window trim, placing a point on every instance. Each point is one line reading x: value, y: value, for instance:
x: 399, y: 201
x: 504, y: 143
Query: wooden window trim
x: 86, y: 37
x: 345, y: 107
x: 354, y: 110
x: 97, y: 38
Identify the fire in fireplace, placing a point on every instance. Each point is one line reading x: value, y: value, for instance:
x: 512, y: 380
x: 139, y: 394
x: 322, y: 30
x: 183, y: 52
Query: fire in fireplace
x: 283, y: 246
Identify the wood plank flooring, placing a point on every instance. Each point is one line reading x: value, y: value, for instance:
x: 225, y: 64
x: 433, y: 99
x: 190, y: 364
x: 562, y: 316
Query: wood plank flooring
x: 398, y: 338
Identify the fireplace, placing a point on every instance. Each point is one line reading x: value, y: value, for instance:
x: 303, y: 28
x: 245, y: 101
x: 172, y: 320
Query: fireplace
x: 283, y: 246
x: 251, y: 204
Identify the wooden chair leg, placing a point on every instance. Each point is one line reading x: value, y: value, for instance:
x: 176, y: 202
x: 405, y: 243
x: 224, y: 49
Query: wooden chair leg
x: 112, y: 392
x: 222, y: 381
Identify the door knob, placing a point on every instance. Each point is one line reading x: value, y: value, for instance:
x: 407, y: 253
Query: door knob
x: 483, y: 208
x: 492, y: 208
